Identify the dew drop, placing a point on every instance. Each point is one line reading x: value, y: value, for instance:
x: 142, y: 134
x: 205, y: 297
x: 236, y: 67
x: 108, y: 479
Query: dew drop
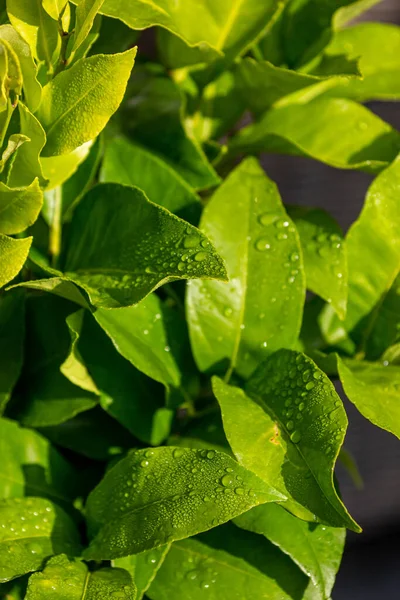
x: 289, y: 425
x: 301, y: 406
x: 205, y: 243
x: 266, y: 219
x: 210, y: 454
x: 310, y: 385
x: 144, y: 463
x: 262, y: 244
x: 181, y: 266
x: 227, y: 480
x: 35, y: 548
x: 281, y: 236
x: 295, y: 436
x: 191, y: 241
x: 228, y: 312
x: 200, y: 256
x: 281, y: 223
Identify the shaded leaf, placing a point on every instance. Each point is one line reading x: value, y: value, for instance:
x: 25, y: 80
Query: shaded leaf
x: 227, y: 564
x: 58, y: 169
x: 130, y: 164
x: 235, y: 326
x: 156, y: 105
x: 316, y: 549
x: 142, y: 247
x: 374, y: 389
x: 143, y: 567
x: 325, y: 257
x: 12, y: 329
x: 19, y: 207
x: 354, y: 138
x: 33, y: 466
x: 57, y: 286
x: 46, y: 530
x: 64, y: 579
x: 73, y: 366
x: 173, y: 509
x: 77, y: 103
x: 26, y: 166
x: 385, y: 327
x: 298, y: 425
x: 13, y: 254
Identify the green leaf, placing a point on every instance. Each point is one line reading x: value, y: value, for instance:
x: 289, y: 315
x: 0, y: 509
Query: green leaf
x: 131, y: 398
x: 65, y: 579
x: 58, y: 169
x: 26, y: 166
x: 374, y: 389
x: 316, y: 549
x: 93, y: 434
x: 143, y: 567
x: 130, y: 164
x: 85, y: 14
x: 378, y: 47
x: 354, y: 138
x: 46, y: 530
x: 227, y: 564
x: 19, y: 207
x: 325, y: 257
x: 158, y: 106
x: 297, y: 424
x: 142, y: 247
x: 12, y: 329
x: 308, y: 25
x: 73, y: 366
x: 31, y: 87
x: 13, y: 254
x: 227, y: 27
x: 114, y: 36
x: 54, y: 7
x: 33, y: 467
x: 176, y: 505
x: 373, y: 248
x: 75, y: 188
x: 385, y: 328
x: 239, y: 324
x: 36, y: 27
x: 57, y: 286
x: 77, y: 103
x: 263, y: 85
x: 50, y: 398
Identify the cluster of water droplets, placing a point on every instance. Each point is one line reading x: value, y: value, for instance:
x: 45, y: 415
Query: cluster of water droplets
x: 303, y: 398
x: 328, y: 246
x: 162, y: 494
x: 199, y: 571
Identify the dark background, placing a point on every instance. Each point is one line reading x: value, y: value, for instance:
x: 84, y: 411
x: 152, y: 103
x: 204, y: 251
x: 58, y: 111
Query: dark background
x: 371, y: 562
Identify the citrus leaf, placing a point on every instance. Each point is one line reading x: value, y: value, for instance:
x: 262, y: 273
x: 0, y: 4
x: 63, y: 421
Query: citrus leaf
x: 354, y: 138
x: 36, y: 27
x: 373, y: 267
x: 325, y: 257
x: 374, y: 389
x: 158, y: 487
x: 316, y: 549
x: 46, y: 530
x: 298, y: 425
x: 13, y: 254
x: 130, y: 164
x: 143, y: 567
x: 85, y: 14
x: 19, y: 207
x: 33, y: 467
x: 65, y: 579
x: 235, y: 326
x: 77, y: 103
x: 54, y: 7
x: 12, y: 329
x: 58, y: 169
x: 143, y: 246
x: 227, y: 564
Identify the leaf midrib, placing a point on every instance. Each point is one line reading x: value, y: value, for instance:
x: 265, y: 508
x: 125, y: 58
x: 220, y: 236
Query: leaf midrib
x: 233, y: 15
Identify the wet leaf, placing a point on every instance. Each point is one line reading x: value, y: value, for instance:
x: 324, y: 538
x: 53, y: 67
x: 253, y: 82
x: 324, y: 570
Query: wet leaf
x: 235, y: 326
x: 13, y: 254
x: 157, y: 486
x: 143, y: 567
x: 19, y: 207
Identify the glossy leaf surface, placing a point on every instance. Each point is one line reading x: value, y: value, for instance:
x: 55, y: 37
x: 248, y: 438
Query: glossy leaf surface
x: 85, y: 14
x: 88, y: 93
x: 46, y: 530
x: 325, y: 257
x: 142, y: 247
x: 374, y: 389
x: 235, y: 326
x: 173, y: 509
x: 227, y: 564
x: 64, y: 579
x: 298, y: 425
x: 316, y: 549
x: 143, y: 567
x: 354, y: 138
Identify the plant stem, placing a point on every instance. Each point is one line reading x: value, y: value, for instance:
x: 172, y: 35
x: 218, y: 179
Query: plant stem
x: 56, y: 228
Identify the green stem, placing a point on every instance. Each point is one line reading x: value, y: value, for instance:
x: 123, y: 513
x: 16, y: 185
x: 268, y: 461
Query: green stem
x: 55, y: 236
